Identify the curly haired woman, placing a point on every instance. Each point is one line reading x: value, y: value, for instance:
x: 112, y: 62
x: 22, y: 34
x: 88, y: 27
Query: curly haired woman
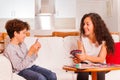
x: 95, y: 42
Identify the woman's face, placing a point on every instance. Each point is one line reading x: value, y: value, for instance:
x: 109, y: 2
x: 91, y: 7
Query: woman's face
x: 21, y: 35
x: 88, y: 26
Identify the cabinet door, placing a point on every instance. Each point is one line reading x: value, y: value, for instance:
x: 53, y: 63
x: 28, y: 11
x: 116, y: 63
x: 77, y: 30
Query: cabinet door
x: 24, y: 8
x: 6, y: 8
x: 17, y: 9
x: 65, y: 8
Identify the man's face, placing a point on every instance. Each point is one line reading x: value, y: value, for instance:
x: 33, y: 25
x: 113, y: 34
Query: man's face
x: 21, y: 35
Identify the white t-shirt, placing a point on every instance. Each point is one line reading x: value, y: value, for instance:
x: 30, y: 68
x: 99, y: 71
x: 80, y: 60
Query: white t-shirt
x: 91, y: 49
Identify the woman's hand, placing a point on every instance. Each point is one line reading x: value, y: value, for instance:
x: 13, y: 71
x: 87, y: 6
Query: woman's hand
x: 76, y: 60
x: 81, y: 57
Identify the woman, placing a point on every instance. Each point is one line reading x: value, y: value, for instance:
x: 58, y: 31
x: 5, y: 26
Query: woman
x: 95, y: 42
x: 21, y: 58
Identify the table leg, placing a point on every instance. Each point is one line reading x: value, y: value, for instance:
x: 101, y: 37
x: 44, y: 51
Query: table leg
x: 94, y: 75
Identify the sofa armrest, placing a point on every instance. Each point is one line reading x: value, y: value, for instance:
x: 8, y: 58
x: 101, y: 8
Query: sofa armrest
x: 17, y: 77
x: 5, y: 68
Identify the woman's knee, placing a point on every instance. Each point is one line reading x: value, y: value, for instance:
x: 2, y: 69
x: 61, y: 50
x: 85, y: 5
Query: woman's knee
x: 101, y: 76
x: 82, y: 76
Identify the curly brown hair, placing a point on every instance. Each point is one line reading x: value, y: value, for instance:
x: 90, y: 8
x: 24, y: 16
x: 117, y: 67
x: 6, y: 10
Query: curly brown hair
x: 101, y: 31
x: 15, y: 25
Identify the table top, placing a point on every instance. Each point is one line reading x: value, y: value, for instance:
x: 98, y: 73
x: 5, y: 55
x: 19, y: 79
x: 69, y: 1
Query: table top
x: 92, y: 69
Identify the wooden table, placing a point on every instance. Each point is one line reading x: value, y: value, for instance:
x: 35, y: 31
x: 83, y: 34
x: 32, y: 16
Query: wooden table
x: 92, y: 70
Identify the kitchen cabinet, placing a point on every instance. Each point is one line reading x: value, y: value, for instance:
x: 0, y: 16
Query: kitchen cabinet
x: 17, y: 8
x: 65, y: 8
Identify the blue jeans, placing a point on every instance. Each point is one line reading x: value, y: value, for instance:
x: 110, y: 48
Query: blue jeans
x: 37, y: 73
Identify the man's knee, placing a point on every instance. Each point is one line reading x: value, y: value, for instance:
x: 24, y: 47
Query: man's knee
x: 52, y: 76
x: 42, y: 78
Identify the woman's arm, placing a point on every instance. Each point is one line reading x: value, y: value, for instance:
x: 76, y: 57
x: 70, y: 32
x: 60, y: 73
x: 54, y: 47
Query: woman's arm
x: 80, y: 46
x: 102, y: 54
x: 77, y: 59
x: 100, y: 58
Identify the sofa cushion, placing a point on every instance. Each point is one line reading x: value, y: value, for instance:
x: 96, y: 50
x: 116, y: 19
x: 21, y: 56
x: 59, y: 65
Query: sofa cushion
x: 52, y: 55
x: 115, y: 37
x: 5, y: 68
x: 114, y: 58
x: 70, y: 43
x: 17, y: 77
x: 112, y: 75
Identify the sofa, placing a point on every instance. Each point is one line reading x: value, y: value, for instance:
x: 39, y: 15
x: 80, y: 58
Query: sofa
x: 6, y: 70
x: 53, y: 55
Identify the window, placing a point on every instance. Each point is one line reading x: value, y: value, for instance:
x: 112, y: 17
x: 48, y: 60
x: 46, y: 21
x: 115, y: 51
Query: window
x: 45, y: 22
x: 44, y: 11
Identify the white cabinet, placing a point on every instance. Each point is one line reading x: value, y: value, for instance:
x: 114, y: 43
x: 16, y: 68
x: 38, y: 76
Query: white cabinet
x: 65, y: 8
x: 17, y: 8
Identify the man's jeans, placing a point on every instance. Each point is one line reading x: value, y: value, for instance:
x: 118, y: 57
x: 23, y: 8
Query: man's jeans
x: 37, y: 73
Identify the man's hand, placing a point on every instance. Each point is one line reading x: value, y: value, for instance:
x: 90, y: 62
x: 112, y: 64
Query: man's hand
x: 34, y: 48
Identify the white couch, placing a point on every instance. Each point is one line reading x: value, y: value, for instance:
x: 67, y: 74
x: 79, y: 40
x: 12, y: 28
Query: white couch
x: 6, y: 70
x: 53, y: 55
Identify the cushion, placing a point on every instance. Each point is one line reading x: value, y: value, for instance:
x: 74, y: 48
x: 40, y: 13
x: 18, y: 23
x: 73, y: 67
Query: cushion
x: 70, y: 43
x: 115, y: 37
x: 115, y: 57
x: 52, y: 55
x: 17, y: 77
x: 5, y: 68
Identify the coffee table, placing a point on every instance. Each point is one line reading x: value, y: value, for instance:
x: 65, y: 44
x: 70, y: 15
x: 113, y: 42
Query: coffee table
x: 92, y: 69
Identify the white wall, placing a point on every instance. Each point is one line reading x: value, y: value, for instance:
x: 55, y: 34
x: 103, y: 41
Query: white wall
x: 70, y: 8
x: 118, y: 15
x: 112, y: 21
x: 87, y: 6
x: 77, y: 8
x: 100, y: 7
x: 22, y: 9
